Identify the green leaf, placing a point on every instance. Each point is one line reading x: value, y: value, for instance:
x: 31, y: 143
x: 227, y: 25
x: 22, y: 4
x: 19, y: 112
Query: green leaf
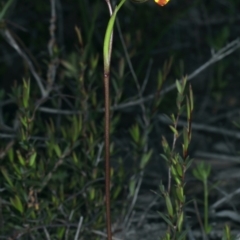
x: 60, y: 232
x: 169, y: 205
x: 108, y: 35
x: 24, y: 121
x: 26, y: 93
x: 179, y: 87
x: 32, y: 159
x: 185, y: 139
x: 20, y: 158
x: 167, y: 220
x: 162, y: 188
x: 159, y: 80
x: 180, y: 222
x: 188, y: 108
x: 16, y: 202
x: 5, y: 9
x: 57, y: 150
x: 145, y: 158
x: 189, y: 163
x: 6, y: 176
x: 164, y: 157
x: 174, y: 130
x: 92, y: 194
x: 132, y: 186
x: 191, y: 98
x: 209, y: 229
x: 182, y: 235
x: 10, y: 154
x: 135, y: 133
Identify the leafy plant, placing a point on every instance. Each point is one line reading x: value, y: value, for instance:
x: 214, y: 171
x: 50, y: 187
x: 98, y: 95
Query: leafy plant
x: 202, y: 172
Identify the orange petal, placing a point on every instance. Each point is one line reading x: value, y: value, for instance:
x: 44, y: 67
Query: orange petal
x: 161, y: 2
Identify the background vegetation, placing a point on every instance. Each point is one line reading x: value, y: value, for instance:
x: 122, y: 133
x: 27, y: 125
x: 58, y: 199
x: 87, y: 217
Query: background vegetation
x: 51, y: 118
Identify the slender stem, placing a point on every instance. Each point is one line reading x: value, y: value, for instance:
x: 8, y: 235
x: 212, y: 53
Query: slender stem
x: 205, y: 206
x: 106, y: 78
x: 107, y: 52
x: 107, y: 154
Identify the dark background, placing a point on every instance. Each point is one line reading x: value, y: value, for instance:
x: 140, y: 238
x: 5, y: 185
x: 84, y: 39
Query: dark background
x: 187, y: 31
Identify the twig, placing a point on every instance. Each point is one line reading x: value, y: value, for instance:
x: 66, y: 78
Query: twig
x: 222, y: 53
x: 57, y: 164
x: 224, y: 199
x: 78, y: 228
x: 52, y: 28
x: 52, y: 67
x: 69, y: 218
x: 3, y: 152
x: 100, y: 148
x: 99, y: 233
x: 46, y: 233
x: 199, y: 220
x: 203, y: 127
x: 143, y: 216
x: 7, y: 35
x: 134, y: 198
x: 147, y: 76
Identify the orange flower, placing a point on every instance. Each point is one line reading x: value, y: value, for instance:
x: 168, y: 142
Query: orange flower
x: 161, y: 2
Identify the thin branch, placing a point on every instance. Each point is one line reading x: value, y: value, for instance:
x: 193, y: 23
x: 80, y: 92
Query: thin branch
x: 134, y: 198
x: 7, y: 35
x: 78, y: 228
x: 224, y: 199
x: 46, y: 234
x: 52, y: 67
x: 52, y: 28
x: 199, y: 219
x: 203, y: 127
x: 69, y: 219
x: 222, y: 53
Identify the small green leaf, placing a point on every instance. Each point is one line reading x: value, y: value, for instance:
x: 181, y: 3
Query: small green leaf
x: 162, y: 188
x: 159, y: 80
x: 5, y: 9
x: 209, y: 229
x: 185, y: 139
x: 182, y: 235
x: 60, y: 232
x: 20, y: 158
x: 191, y: 98
x: 180, y: 222
x: 57, y: 150
x: 24, y: 121
x: 180, y: 193
x: 135, y: 133
x: 188, y: 108
x: 164, y: 157
x: 26, y: 93
x: 75, y: 159
x: 179, y: 87
x: 145, y: 158
x: 6, y: 176
x: 179, y: 169
x: 11, y: 154
x: 166, y: 219
x: 174, y: 130
x: 169, y: 205
x: 32, y: 159
x: 132, y: 187
x: 108, y: 34
x: 16, y: 202
x: 189, y: 163
x: 92, y: 194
